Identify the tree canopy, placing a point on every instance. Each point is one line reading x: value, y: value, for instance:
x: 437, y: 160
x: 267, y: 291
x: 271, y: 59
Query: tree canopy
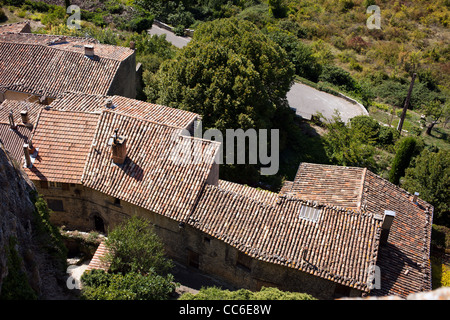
x: 230, y: 73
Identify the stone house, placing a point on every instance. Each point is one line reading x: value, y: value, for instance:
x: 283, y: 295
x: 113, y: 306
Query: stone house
x: 100, y: 159
x: 38, y: 67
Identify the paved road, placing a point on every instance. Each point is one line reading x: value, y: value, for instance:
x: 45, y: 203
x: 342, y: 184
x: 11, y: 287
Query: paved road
x: 177, y: 41
x: 304, y: 99
x: 307, y: 101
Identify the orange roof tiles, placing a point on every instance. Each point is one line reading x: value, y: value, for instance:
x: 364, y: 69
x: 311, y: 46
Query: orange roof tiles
x: 16, y: 27
x: 340, y: 246
x: 154, y: 175
x: 63, y: 140
x: 148, y: 111
x: 17, y: 106
x: 29, y: 65
x: 404, y: 260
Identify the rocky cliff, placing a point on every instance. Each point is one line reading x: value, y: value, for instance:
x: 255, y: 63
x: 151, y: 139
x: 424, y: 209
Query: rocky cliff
x: 29, y: 267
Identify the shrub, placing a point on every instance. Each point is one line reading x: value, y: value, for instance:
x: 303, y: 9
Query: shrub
x: 338, y: 76
x: 387, y: 136
x: 215, y: 293
x: 365, y: 128
x: 99, y: 285
x: 3, y: 16
x: 402, y: 159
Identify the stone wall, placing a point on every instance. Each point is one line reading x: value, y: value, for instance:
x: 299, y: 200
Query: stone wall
x: 124, y: 83
x: 184, y: 243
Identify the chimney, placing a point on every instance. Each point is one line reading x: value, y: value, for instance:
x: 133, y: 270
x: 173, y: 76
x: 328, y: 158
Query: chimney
x: 25, y: 118
x: 386, y: 226
x: 89, y: 50
x: 26, y: 151
x: 109, y: 103
x: 416, y: 195
x: 31, y: 148
x: 132, y: 45
x: 12, y: 124
x: 119, y: 148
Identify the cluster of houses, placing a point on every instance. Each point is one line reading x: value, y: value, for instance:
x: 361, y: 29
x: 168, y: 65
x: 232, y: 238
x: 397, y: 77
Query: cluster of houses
x: 69, y: 116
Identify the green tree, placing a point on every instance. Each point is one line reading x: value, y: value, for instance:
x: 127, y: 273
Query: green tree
x: 134, y: 247
x: 403, y: 156
x: 430, y: 176
x: 344, y: 145
x: 230, y: 73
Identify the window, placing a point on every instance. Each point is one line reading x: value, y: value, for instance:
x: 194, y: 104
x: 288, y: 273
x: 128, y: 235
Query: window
x: 206, y: 240
x: 117, y: 202
x: 55, y: 185
x: 244, y: 262
x: 44, y: 184
x: 309, y: 213
x: 55, y: 205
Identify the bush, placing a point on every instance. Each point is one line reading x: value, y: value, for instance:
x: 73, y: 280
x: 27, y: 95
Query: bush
x: 339, y: 77
x: 99, y: 285
x: 402, y: 159
x: 215, y: 293
x: 3, y: 16
x: 387, y: 136
x: 365, y: 128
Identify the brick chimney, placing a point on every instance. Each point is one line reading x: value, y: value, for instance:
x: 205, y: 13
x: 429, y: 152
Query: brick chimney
x: 89, y: 50
x: 119, y: 148
x: 386, y: 226
x: 25, y: 118
x: 132, y: 45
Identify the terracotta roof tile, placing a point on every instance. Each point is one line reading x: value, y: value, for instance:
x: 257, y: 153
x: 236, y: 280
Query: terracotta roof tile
x: 153, y: 175
x: 14, y: 140
x: 339, y: 247
x: 15, y: 27
x: 29, y: 65
x: 404, y: 261
x: 148, y: 111
x: 63, y: 140
x: 17, y: 106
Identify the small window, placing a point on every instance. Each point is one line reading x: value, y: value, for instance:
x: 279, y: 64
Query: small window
x: 55, y: 205
x: 117, y: 201
x: 55, y: 185
x: 193, y: 259
x: 244, y: 262
x: 206, y: 240
x: 44, y: 184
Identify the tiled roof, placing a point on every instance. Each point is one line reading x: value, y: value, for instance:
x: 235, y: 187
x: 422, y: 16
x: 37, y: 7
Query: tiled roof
x: 29, y: 65
x: 147, y: 111
x: 17, y: 106
x: 154, y: 175
x: 340, y: 246
x: 69, y: 44
x: 260, y: 195
x: 339, y: 186
x: 14, y: 140
x: 404, y: 261
x: 63, y: 140
x: 15, y: 27
x: 97, y: 261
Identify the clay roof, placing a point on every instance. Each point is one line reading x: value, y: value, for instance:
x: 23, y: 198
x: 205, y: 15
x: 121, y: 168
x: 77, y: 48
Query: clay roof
x: 30, y: 63
x: 16, y: 107
x: 15, y: 27
x: 76, y: 101
x: 154, y: 175
x: 63, y: 140
x: 404, y: 261
x: 340, y: 246
x: 97, y: 261
x: 14, y: 139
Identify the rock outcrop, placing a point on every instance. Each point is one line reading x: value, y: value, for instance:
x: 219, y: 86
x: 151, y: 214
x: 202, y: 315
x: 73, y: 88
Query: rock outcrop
x: 22, y: 252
